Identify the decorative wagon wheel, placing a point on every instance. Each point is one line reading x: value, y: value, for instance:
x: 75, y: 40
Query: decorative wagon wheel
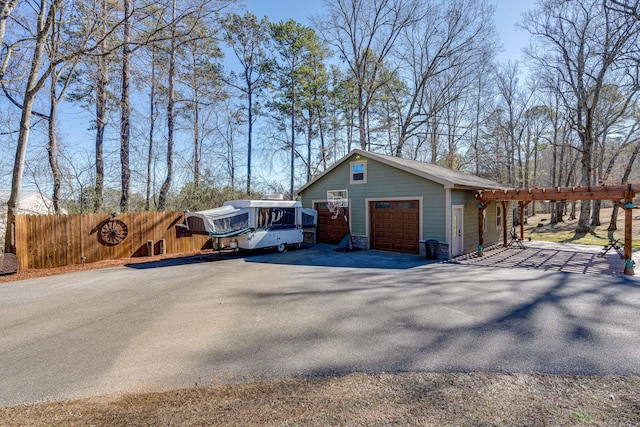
x: 113, y: 232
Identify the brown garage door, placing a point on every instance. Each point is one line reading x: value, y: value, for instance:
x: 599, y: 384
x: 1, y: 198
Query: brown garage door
x: 329, y: 230
x: 395, y: 226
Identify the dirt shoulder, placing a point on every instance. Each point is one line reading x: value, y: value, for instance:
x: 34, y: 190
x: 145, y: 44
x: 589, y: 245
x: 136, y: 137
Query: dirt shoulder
x: 358, y: 399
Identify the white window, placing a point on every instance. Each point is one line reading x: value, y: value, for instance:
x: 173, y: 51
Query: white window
x: 498, y: 216
x: 358, y: 172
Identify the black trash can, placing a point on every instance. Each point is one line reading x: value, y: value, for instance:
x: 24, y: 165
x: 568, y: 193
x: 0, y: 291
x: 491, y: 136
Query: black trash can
x: 431, y: 248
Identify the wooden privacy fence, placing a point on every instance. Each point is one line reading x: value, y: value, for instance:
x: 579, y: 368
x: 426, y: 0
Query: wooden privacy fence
x: 47, y: 241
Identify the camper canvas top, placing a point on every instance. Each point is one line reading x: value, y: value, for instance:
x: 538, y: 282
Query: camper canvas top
x: 263, y: 203
x: 237, y: 217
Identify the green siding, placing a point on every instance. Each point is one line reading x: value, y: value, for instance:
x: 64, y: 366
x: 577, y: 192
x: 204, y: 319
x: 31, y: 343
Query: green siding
x: 492, y: 234
x: 386, y: 182
x: 383, y: 181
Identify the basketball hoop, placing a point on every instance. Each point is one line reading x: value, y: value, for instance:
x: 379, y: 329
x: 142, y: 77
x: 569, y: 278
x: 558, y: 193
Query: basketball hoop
x: 334, y: 207
x: 337, y: 199
x: 338, y: 204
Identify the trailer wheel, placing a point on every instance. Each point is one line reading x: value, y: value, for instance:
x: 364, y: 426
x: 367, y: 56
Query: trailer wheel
x: 282, y: 248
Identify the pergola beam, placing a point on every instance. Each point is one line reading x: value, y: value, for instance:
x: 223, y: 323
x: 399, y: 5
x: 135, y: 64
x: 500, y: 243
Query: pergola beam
x: 559, y: 194
x: 621, y: 194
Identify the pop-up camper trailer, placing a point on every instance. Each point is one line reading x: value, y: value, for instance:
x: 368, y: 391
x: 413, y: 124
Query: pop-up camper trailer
x: 254, y: 224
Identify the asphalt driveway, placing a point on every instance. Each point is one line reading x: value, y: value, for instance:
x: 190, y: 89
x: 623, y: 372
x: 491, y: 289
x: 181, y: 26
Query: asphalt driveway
x: 201, y: 321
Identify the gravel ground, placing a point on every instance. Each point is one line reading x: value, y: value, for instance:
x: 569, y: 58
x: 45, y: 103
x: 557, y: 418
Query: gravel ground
x: 425, y: 399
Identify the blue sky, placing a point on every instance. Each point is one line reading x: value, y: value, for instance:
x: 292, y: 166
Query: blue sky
x: 74, y: 123
x: 507, y: 15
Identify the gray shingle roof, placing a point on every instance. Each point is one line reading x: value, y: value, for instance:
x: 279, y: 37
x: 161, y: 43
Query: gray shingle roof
x: 449, y: 178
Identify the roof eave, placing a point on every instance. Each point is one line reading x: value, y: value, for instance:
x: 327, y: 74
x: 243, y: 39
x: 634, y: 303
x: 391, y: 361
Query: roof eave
x: 417, y: 172
x: 447, y: 184
x: 329, y: 169
x: 475, y: 187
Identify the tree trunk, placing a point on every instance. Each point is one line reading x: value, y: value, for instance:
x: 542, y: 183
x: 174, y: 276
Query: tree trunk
x: 54, y: 100
x: 350, y: 124
x: 101, y: 118
x: 45, y: 21
x: 476, y: 137
x: 230, y: 152
x: 570, y: 179
x: 152, y: 125
x: 166, y: 185
x: 552, y: 205
x: 322, y: 143
x: 125, y: 103
x: 310, y: 138
x: 6, y: 7
x: 362, y: 120
x: 196, y: 127
x: 625, y: 179
x: 585, y: 206
x: 599, y: 169
x: 52, y: 149
x: 535, y: 173
x: 250, y: 114
x: 196, y: 142
x: 231, y: 157
x: 434, y: 140
x: 101, y: 123
x: 293, y: 132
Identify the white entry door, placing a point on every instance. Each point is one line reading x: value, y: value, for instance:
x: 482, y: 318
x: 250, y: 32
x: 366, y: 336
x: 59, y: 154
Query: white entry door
x: 457, y: 227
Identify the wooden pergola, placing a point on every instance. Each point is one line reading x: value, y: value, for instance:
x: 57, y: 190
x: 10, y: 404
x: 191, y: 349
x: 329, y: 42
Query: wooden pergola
x: 622, y: 195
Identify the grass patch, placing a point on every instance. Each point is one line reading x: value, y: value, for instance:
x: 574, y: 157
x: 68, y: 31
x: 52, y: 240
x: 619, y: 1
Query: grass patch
x: 586, y: 418
x: 539, y: 228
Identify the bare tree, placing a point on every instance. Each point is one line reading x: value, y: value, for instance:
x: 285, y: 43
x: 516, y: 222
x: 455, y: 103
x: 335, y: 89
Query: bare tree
x: 454, y: 39
x: 584, y: 43
x: 45, y: 18
x: 153, y: 116
x: 164, y: 189
x: 293, y: 43
x: 125, y: 106
x: 200, y: 71
x: 515, y: 101
x: 62, y: 75
x: 101, y: 97
x: 364, y: 32
x: 611, y: 116
x: 91, y: 83
x: 6, y: 7
x: 630, y: 140
x: 33, y: 45
x: 629, y: 7
x: 248, y: 37
x: 186, y: 19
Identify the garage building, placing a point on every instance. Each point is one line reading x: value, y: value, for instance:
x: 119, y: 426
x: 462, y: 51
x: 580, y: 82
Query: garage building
x: 395, y: 204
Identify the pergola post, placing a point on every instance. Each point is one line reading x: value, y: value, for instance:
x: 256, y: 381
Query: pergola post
x: 504, y: 223
x: 628, y: 228
x: 522, y: 206
x: 481, y: 208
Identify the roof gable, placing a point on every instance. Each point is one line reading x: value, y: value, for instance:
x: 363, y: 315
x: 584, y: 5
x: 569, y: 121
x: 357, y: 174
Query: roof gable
x: 446, y: 177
